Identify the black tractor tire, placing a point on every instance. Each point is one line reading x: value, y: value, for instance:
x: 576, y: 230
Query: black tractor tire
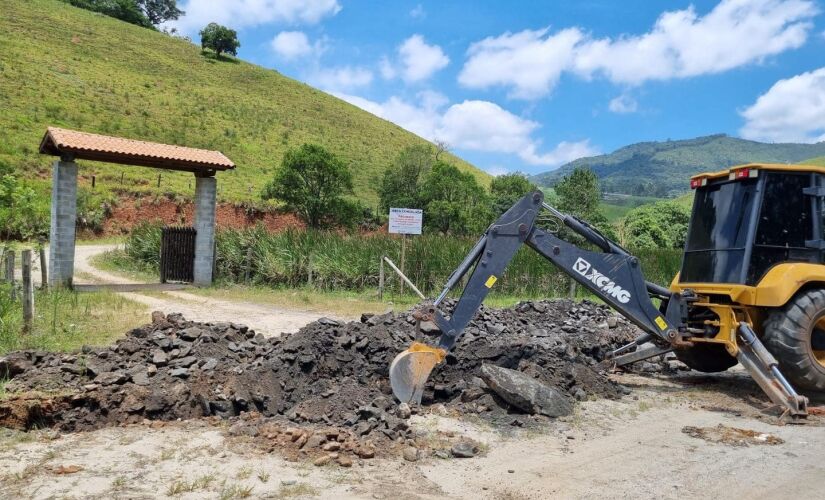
x: 790, y: 334
x: 706, y: 358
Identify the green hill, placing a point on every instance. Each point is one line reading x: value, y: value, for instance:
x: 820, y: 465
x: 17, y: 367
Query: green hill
x: 68, y: 67
x: 816, y: 161
x: 663, y: 168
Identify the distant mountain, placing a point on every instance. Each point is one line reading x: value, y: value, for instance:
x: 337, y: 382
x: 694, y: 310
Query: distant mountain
x: 663, y: 168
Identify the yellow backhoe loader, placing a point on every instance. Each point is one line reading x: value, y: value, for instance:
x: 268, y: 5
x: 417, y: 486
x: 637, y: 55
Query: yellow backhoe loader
x: 751, y: 287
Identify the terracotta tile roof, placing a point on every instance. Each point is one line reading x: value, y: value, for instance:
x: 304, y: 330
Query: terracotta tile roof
x: 86, y: 146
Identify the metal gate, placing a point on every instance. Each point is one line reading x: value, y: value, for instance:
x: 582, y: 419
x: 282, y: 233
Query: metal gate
x: 177, y: 254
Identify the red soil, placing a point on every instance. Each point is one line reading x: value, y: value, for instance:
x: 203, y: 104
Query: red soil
x: 129, y: 212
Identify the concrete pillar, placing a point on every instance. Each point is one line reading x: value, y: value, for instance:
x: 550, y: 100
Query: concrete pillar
x: 205, y: 194
x: 63, y: 217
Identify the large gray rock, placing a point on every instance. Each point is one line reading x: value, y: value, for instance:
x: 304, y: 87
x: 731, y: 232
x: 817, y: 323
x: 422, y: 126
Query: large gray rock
x: 525, y: 393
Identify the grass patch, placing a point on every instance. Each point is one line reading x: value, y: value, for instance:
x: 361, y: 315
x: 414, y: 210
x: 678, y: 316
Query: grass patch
x: 120, y: 79
x: 297, y: 490
x: 118, y: 262
x: 66, y: 320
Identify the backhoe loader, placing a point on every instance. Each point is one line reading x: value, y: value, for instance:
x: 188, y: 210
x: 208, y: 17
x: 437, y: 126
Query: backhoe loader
x: 751, y: 288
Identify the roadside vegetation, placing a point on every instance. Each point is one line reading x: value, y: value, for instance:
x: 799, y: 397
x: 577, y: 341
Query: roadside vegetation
x: 335, y: 261
x: 66, y: 320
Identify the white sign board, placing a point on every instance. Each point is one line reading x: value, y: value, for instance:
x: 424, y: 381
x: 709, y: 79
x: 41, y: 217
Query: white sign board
x: 406, y: 220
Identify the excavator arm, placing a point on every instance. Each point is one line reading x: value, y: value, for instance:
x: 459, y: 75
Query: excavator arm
x: 612, y: 274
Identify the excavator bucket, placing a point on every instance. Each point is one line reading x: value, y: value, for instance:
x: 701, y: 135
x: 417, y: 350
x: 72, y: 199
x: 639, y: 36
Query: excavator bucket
x: 410, y: 370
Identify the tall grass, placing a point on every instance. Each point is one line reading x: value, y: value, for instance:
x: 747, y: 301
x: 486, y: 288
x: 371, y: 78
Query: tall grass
x: 65, y: 320
x: 339, y: 261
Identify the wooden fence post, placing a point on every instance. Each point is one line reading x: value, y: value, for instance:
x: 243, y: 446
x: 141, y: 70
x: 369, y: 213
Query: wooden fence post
x: 403, y: 258
x: 381, y: 279
x: 10, y: 272
x: 28, y: 291
x: 44, y: 273
x: 572, y: 291
x: 248, y: 270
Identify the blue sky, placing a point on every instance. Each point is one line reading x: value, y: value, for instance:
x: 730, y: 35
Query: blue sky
x: 527, y: 86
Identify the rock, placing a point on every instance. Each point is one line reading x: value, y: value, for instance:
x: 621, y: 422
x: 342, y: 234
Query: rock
x: 328, y: 322
x: 332, y: 446
x: 320, y: 461
x: 344, y: 461
x: 365, y: 452
x: 404, y: 411
x: 185, y: 362
x: 190, y: 333
x: 410, y: 454
x: 315, y: 441
x: 429, y: 327
x: 288, y: 482
x: 159, y: 358
x: 139, y: 375
x: 158, y: 317
x: 464, y: 449
x: 525, y: 393
x: 111, y: 378
x: 612, y: 321
x: 210, y: 364
x: 441, y: 454
x: 179, y: 372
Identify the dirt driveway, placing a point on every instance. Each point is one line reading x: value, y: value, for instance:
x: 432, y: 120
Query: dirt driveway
x: 262, y: 318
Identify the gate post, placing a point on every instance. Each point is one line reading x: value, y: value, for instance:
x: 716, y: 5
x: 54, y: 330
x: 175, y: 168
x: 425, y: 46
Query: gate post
x: 63, y: 217
x: 205, y: 199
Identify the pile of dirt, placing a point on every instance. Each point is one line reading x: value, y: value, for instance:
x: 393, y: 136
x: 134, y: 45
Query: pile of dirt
x: 328, y: 374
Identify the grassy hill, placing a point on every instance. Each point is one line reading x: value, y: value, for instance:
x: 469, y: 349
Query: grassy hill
x: 663, y: 168
x: 68, y: 67
x: 816, y: 161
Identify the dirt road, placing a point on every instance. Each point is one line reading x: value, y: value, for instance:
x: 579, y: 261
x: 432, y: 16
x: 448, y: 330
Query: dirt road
x: 263, y: 318
x: 632, y: 448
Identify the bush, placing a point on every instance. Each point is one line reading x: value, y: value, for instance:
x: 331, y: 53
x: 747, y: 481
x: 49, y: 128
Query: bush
x: 23, y: 214
x: 312, y: 182
x: 659, y: 225
x: 143, y: 244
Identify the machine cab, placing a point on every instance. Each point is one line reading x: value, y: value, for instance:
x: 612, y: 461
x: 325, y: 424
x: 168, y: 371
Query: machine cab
x: 749, y: 218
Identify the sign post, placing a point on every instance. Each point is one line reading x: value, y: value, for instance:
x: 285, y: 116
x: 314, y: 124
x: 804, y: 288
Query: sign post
x: 405, y: 221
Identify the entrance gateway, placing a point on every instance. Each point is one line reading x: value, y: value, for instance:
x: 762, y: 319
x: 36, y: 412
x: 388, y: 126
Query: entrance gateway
x: 72, y: 145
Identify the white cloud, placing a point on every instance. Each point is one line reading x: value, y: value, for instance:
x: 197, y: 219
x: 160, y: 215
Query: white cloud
x: 238, y: 14
x: 342, y: 78
x: 472, y: 125
x: 681, y: 44
x: 623, y: 104
x: 528, y: 62
x: 417, y: 61
x: 387, y: 69
x: 792, y: 110
x: 418, y: 12
x: 294, y: 44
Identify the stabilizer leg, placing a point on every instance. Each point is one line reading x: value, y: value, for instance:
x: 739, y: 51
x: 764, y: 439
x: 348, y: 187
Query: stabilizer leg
x: 764, y: 369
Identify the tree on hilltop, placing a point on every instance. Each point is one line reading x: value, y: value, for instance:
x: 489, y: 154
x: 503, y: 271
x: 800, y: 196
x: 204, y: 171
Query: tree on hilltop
x: 219, y: 39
